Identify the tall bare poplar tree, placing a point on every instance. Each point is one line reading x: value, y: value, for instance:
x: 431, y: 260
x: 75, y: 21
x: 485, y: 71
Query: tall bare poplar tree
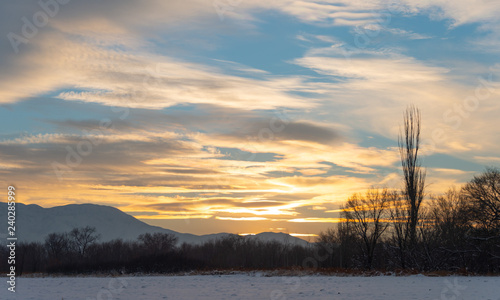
x: 413, y: 173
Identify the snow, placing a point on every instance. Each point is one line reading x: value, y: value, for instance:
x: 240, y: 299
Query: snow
x: 256, y: 286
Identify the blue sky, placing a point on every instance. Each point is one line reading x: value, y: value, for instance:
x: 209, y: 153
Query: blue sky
x: 241, y: 116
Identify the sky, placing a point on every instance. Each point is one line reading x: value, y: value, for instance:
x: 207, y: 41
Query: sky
x: 241, y: 116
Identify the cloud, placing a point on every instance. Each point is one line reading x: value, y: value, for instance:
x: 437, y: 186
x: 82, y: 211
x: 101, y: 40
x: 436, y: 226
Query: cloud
x: 107, y: 23
x: 316, y: 220
x: 340, y: 13
x: 280, y: 128
x: 376, y: 85
x: 100, y: 57
x: 397, y: 69
x: 139, y: 80
x: 355, y: 13
x: 409, y: 34
x: 461, y: 12
x: 378, y: 15
x: 242, y: 218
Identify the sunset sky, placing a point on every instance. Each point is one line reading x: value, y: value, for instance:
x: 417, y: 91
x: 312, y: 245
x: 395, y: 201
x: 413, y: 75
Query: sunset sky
x: 241, y: 116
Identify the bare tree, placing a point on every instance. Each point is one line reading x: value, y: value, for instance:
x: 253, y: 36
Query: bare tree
x: 413, y: 173
x: 449, y: 212
x: 400, y: 220
x: 158, y: 243
x: 330, y: 240
x: 31, y: 257
x: 82, y: 238
x: 483, y: 197
x: 483, y: 194
x: 328, y: 237
x: 56, y: 244
x: 367, y: 214
x: 444, y: 230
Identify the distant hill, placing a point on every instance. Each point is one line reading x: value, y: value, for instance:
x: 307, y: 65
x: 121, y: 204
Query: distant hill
x: 34, y: 223
x: 278, y: 236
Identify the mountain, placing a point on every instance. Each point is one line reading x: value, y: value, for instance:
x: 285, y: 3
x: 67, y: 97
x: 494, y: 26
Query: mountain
x: 34, y: 223
x: 278, y: 236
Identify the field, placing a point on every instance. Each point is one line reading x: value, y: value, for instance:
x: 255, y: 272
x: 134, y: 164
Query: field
x: 256, y: 286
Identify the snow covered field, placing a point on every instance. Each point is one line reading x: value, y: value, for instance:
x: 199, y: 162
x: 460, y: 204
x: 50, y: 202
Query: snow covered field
x: 242, y: 286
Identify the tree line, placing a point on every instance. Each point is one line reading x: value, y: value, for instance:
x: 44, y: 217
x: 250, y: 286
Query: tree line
x: 79, y: 251
x: 458, y: 231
